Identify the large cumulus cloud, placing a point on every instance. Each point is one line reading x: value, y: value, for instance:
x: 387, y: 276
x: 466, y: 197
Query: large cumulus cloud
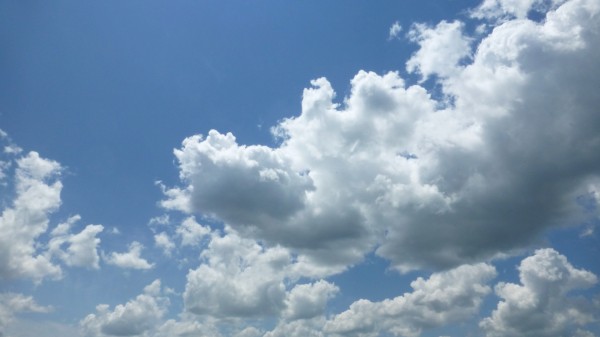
x: 434, y: 183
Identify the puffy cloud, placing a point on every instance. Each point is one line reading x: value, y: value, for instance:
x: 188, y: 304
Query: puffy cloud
x: 541, y: 305
x: 273, y: 190
x: 238, y: 278
x: 130, y: 259
x: 163, y: 241
x: 492, y: 9
x: 21, y: 224
x: 299, y: 328
x: 191, y: 232
x: 82, y: 250
x: 306, y: 301
x: 427, y: 185
x: 443, y: 298
x: 135, y: 317
x: 12, y: 304
x: 441, y: 49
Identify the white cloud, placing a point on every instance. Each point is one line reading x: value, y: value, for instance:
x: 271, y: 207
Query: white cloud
x: 541, y: 306
x: 130, y: 259
x: 186, y: 327
x: 427, y: 185
x: 12, y: 304
x: 21, y: 224
x: 163, y: 241
x: 238, y: 278
x: 299, y: 328
x: 395, y: 30
x: 441, y: 49
x: 82, y: 250
x: 191, y: 232
x: 504, y: 9
x: 443, y: 298
x: 306, y: 301
x: 133, y: 318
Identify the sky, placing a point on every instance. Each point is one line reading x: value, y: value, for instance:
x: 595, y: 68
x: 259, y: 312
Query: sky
x: 300, y: 168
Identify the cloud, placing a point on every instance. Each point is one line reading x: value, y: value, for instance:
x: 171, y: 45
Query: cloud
x: 191, y: 232
x: 443, y: 298
x: 82, y: 250
x: 395, y: 30
x: 163, y: 241
x: 541, y: 305
x: 187, y: 327
x: 440, y: 49
x: 299, y: 328
x: 504, y: 9
x: 12, y: 304
x: 135, y: 317
x: 26, y: 219
x: 427, y: 181
x: 239, y: 278
x: 130, y: 259
x: 306, y: 301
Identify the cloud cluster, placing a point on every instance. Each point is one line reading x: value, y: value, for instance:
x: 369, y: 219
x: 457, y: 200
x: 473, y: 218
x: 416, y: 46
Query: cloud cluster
x: 541, y: 306
x: 37, y: 196
x: 82, y: 250
x: 480, y: 170
x: 133, y: 318
x: 443, y: 298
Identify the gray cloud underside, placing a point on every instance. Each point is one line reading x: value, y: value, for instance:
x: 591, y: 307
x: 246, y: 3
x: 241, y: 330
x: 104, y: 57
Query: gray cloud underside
x: 427, y: 183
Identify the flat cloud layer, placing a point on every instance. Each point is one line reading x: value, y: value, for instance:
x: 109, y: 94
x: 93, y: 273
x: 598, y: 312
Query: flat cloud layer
x: 501, y: 156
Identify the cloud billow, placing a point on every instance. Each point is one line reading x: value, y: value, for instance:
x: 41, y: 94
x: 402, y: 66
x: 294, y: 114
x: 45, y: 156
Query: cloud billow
x: 500, y: 159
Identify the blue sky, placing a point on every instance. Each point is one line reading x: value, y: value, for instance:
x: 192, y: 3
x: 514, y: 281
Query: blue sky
x: 397, y: 168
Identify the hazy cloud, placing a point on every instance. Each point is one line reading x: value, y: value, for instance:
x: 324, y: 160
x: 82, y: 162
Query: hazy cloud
x: 395, y: 30
x: 12, y: 304
x: 133, y: 318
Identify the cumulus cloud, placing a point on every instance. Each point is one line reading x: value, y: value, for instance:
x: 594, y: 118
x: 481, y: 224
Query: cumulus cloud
x: 238, y: 278
x: 135, y: 317
x: 441, y: 49
x: 191, y: 232
x: 131, y: 259
x: 541, y: 305
x: 82, y: 248
x: 430, y: 185
x: 443, y: 298
x: 12, y: 304
x: 163, y: 241
x: 306, y: 301
x: 26, y: 219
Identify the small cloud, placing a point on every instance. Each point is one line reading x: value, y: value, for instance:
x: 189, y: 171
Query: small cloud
x: 160, y: 220
x: 130, y: 259
x: 588, y: 231
x: 12, y: 149
x: 395, y: 30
